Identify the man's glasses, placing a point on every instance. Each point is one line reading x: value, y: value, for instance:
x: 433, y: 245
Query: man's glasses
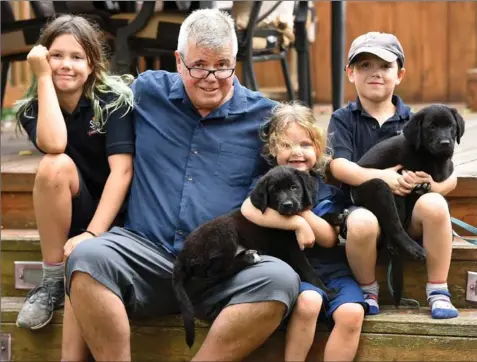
x: 201, y: 73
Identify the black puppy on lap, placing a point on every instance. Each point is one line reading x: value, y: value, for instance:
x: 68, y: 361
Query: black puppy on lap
x: 427, y: 144
x: 228, y: 244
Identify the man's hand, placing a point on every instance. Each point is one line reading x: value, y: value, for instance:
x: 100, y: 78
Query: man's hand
x: 304, y: 234
x: 38, y: 60
x: 71, y: 243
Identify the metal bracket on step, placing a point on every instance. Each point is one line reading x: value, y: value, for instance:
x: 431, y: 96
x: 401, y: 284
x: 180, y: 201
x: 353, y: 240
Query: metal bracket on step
x: 471, y: 293
x: 28, y: 274
x: 5, y: 347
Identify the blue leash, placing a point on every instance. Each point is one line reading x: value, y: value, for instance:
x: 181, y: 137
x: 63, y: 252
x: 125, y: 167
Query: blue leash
x: 465, y: 226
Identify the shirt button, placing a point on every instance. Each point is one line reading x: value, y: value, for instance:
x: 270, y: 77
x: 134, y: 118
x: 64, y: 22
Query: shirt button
x: 373, y: 126
x: 180, y: 232
x: 195, y: 152
x: 189, y: 179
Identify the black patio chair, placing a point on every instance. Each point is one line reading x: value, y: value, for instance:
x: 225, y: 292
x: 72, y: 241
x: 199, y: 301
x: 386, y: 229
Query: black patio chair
x: 18, y: 37
x: 150, y: 34
x: 261, y: 45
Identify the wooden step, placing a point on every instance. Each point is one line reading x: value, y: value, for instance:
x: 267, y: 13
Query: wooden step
x: 404, y: 335
x: 24, y: 245
x: 18, y: 176
x: 463, y: 202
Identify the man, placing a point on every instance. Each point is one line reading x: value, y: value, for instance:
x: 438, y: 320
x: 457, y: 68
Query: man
x: 197, y: 153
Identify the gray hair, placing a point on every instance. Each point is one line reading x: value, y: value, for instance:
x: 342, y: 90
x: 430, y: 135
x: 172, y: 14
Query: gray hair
x: 208, y: 28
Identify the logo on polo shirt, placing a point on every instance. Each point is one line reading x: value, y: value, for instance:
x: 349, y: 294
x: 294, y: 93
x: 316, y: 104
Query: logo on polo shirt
x: 95, y: 127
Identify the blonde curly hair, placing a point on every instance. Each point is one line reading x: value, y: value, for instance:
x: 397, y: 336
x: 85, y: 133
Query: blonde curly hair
x: 273, y: 133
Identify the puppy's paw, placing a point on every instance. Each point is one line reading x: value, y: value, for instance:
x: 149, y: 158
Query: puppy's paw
x: 422, y: 189
x: 334, y: 219
x: 416, y: 251
x: 251, y: 256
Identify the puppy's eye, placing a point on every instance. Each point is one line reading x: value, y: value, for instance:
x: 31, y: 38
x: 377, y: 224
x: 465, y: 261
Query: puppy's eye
x: 433, y: 126
x: 293, y: 187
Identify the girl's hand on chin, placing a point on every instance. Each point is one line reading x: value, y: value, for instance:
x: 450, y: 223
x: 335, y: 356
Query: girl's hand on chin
x: 38, y: 60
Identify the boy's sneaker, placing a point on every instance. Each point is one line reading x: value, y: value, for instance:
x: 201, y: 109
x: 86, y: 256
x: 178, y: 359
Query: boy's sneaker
x: 372, y: 301
x: 441, y: 305
x: 37, y: 310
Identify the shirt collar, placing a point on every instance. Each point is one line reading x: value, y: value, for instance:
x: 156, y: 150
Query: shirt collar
x: 236, y: 105
x: 177, y: 90
x: 402, y: 111
x: 84, y: 102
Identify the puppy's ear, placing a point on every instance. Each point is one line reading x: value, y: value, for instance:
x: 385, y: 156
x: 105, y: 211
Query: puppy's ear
x: 308, y: 184
x: 413, y: 129
x: 460, y: 124
x: 259, y: 195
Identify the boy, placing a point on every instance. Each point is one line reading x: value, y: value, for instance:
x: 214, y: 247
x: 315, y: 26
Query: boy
x: 376, y: 67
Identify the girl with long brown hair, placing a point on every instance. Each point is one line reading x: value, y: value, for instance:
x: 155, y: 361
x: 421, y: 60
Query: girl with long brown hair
x: 79, y: 116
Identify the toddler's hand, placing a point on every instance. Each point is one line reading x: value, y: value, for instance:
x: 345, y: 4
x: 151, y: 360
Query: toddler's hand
x: 304, y: 235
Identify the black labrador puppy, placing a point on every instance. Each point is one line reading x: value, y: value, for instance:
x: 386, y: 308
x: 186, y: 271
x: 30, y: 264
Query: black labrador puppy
x: 229, y: 243
x: 426, y: 144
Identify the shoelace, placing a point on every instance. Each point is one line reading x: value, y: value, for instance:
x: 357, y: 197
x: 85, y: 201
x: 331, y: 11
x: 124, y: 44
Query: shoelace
x: 43, y: 293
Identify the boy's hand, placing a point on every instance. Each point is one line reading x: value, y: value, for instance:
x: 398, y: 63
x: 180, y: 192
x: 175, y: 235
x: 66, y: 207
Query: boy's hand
x: 38, y: 60
x: 419, y: 177
x: 422, y: 178
x: 304, y: 234
x: 396, y: 182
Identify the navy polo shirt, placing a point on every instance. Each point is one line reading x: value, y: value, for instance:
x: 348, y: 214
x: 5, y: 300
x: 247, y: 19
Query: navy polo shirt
x: 352, y: 131
x: 88, y: 148
x: 189, y: 169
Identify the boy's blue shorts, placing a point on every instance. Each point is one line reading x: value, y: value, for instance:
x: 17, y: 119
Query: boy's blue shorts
x: 348, y: 292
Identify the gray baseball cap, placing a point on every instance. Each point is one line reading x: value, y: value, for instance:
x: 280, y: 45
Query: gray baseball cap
x: 383, y: 45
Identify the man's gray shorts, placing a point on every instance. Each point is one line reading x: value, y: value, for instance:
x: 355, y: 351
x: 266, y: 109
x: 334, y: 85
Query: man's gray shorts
x: 139, y: 272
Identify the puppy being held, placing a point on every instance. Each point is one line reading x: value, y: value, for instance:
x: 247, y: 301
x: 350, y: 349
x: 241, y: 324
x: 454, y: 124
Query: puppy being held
x: 230, y: 243
x: 427, y: 145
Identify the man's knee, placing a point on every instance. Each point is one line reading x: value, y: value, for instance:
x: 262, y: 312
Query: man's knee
x: 79, y: 283
x: 282, y: 276
x: 349, y: 317
x: 362, y: 227
x: 432, y: 207
x: 279, y: 278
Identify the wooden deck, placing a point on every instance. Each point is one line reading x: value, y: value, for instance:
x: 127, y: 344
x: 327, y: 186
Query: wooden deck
x: 14, y: 159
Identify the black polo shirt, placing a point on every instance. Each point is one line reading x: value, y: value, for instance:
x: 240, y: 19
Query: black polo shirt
x: 88, y: 148
x: 352, y: 131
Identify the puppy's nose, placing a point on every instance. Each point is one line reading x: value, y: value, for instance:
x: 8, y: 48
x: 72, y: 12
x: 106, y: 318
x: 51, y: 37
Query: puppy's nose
x: 444, y: 142
x: 287, y: 205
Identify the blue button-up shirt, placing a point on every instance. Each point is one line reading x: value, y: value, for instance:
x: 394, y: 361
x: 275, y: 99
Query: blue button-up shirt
x: 189, y: 169
x: 352, y: 131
